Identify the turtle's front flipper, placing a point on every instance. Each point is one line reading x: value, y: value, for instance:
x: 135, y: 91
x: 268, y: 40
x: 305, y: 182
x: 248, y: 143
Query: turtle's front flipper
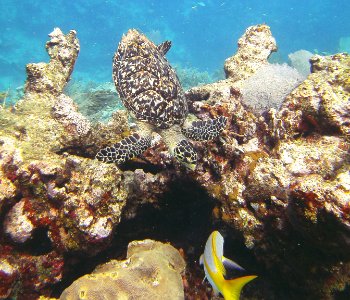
x: 205, y: 130
x: 128, y: 148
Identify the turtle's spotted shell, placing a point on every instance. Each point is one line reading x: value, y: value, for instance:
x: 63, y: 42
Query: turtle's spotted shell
x: 146, y: 83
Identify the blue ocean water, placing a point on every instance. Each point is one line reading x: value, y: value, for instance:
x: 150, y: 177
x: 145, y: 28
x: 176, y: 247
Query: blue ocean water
x: 203, y: 33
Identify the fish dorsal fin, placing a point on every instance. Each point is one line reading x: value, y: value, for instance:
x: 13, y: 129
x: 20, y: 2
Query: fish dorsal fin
x: 201, y: 260
x: 218, y: 246
x: 164, y: 47
x: 230, y: 264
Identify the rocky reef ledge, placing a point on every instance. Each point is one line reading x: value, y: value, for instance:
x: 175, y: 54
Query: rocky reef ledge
x: 276, y: 185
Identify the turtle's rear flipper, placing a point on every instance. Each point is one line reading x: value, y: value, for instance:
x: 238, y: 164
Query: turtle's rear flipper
x: 205, y: 130
x: 164, y: 47
x: 128, y: 148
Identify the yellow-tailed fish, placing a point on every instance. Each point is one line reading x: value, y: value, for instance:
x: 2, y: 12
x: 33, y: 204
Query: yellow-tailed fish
x: 214, y: 267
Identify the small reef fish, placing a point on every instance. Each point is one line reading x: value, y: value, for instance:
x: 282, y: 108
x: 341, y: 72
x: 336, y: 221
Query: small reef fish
x: 215, y: 265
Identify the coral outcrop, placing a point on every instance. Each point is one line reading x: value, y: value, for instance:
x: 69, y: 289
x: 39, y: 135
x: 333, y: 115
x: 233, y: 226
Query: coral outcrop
x: 281, y: 176
x: 52, y: 77
x: 27, y: 276
x: 278, y: 178
x: 151, y: 270
x: 17, y: 225
x: 254, y: 47
x: 49, y: 189
x: 321, y: 102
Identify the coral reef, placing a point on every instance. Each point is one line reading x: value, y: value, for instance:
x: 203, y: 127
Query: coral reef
x: 320, y: 103
x: 254, y: 47
x: 17, y: 225
x: 268, y: 87
x: 63, y: 51
x: 277, y: 183
x: 281, y: 176
x: 97, y: 102
x: 48, y: 188
x: 190, y: 77
x: 151, y: 270
x: 300, y: 60
x: 27, y: 276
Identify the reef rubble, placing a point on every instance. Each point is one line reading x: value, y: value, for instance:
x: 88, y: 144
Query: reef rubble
x: 279, y: 181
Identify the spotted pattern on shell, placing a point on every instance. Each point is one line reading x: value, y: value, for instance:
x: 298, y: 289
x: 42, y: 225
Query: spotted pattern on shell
x: 151, y: 92
x: 146, y: 83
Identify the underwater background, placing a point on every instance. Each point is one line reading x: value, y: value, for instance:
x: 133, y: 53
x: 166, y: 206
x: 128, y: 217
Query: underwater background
x: 274, y: 184
x: 203, y: 33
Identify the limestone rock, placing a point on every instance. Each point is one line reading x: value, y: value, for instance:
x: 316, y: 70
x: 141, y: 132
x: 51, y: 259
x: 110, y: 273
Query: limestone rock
x: 281, y: 177
x: 16, y: 273
x: 152, y: 270
x: 76, y: 125
x: 52, y: 77
x: 72, y: 202
x: 321, y: 103
x: 323, y: 204
x: 93, y: 204
x: 17, y: 225
x: 254, y: 48
x: 8, y: 276
x: 7, y: 190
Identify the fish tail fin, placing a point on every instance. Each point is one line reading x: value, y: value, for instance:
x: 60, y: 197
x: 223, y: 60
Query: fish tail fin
x: 232, y: 288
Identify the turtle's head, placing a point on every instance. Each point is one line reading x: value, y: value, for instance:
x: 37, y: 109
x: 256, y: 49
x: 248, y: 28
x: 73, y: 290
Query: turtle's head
x: 185, y: 154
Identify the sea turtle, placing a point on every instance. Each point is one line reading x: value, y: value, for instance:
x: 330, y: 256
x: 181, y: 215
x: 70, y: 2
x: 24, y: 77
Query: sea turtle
x: 152, y: 94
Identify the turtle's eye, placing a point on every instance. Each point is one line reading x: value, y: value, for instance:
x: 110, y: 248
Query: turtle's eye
x: 186, y: 154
